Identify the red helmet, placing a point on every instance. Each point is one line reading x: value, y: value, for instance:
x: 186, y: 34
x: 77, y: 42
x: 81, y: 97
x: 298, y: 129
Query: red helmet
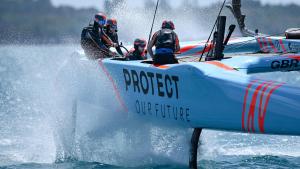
x: 112, y: 23
x: 168, y: 25
x: 140, y: 43
x: 100, y: 18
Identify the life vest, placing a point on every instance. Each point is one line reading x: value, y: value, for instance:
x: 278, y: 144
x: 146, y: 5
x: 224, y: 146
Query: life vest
x: 166, y: 38
x: 135, y: 55
x: 90, y: 33
x: 112, y: 36
x: 91, y: 43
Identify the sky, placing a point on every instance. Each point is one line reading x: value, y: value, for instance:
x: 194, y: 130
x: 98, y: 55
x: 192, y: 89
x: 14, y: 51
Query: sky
x: 99, y: 3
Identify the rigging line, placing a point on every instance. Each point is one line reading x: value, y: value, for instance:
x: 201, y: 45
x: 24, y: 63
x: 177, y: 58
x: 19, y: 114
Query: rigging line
x: 212, y: 29
x: 150, y: 34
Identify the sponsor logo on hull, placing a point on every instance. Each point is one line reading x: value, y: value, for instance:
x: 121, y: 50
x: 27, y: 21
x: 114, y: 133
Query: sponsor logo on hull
x: 152, y: 83
x: 285, y: 64
x: 163, y: 86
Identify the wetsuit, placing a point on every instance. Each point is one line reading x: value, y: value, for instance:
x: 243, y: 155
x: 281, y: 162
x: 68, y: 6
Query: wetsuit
x: 114, y: 37
x: 135, y: 54
x: 95, y: 42
x: 103, y: 38
x: 167, y: 44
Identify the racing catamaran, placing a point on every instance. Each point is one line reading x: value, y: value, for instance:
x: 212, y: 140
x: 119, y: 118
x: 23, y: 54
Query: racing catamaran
x: 219, y: 93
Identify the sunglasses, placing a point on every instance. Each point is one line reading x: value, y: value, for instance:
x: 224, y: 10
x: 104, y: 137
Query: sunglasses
x: 102, y: 22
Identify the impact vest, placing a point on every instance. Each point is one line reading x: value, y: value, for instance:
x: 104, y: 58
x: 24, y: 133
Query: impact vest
x: 91, y: 33
x: 135, y: 55
x: 92, y: 43
x: 166, y: 38
x: 112, y: 35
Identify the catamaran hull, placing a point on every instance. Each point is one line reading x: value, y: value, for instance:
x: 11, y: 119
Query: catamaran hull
x: 204, y: 95
x: 258, y: 44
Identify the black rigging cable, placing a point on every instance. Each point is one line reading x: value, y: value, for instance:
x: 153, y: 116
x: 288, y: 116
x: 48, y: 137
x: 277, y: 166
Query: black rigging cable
x: 150, y: 34
x: 212, y: 30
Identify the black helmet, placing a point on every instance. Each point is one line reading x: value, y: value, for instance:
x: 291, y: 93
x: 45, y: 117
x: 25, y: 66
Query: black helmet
x: 168, y: 25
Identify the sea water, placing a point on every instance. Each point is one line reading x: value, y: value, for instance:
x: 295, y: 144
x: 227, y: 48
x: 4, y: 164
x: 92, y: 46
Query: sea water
x: 29, y: 131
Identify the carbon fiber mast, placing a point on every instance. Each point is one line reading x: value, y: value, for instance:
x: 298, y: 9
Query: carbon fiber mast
x: 219, y: 43
x: 218, y: 38
x: 235, y: 8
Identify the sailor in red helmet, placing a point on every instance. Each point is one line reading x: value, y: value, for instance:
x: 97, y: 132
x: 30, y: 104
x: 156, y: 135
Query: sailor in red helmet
x: 139, y: 50
x: 111, y: 29
x: 167, y: 44
x: 104, y: 41
x: 94, y: 40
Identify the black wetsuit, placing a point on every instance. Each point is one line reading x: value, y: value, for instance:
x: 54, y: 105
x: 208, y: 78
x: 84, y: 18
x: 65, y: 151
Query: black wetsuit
x: 136, y: 55
x: 114, y: 37
x: 95, y: 42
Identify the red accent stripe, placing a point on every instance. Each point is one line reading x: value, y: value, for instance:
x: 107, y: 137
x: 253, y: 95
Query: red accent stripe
x: 220, y: 65
x: 260, y: 44
x: 207, y: 49
x: 119, y: 98
x: 265, y: 45
x: 245, y: 103
x: 161, y: 66
x: 262, y: 97
x: 294, y: 57
x: 252, y: 107
x: 261, y: 119
x: 187, y: 48
x: 282, y: 46
x: 272, y: 45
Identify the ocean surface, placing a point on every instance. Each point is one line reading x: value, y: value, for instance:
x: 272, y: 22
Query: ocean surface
x: 31, y: 126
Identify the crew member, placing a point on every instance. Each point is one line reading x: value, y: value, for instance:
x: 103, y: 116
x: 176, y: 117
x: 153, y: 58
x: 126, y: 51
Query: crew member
x: 103, y: 41
x: 139, y: 51
x: 111, y: 30
x: 166, y: 43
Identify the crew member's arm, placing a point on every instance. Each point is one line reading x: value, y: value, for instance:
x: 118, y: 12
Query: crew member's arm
x: 151, y: 44
x: 177, y: 46
x: 106, y: 39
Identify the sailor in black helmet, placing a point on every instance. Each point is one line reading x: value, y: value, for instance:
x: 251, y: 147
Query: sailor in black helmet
x: 166, y: 43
